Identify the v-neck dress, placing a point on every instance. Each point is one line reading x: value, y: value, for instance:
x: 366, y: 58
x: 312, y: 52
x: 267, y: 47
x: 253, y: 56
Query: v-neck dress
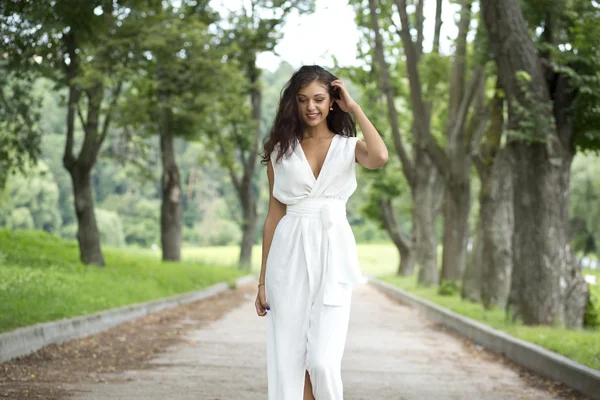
x: 311, y: 267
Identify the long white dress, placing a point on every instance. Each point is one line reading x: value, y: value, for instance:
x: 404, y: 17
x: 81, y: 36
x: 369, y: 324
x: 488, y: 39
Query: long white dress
x: 311, y: 268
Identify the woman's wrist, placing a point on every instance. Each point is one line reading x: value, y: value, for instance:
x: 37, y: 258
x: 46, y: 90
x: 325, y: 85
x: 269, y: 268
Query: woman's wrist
x: 355, y: 108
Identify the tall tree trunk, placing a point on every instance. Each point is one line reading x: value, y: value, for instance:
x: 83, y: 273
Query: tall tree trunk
x: 471, y: 279
x: 496, y: 214
x: 544, y: 278
x: 248, y: 232
x: 80, y: 167
x: 246, y: 188
x: 438, y: 26
x: 496, y: 219
x: 422, y: 180
x: 454, y: 162
x: 404, y: 246
x: 88, y: 235
x: 456, y: 228
x: 424, y: 213
x: 171, y: 209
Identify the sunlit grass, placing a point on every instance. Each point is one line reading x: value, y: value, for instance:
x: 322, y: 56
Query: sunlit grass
x: 582, y: 346
x: 41, y: 279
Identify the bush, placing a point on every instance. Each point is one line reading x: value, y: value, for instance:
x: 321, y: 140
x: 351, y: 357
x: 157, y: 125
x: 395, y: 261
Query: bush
x: 110, y: 227
x: 448, y: 288
x: 591, y: 317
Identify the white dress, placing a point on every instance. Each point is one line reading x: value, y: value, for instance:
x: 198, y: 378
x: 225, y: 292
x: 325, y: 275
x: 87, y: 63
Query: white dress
x: 311, y: 267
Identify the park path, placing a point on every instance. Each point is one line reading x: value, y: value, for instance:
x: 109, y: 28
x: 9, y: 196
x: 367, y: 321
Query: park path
x: 392, y: 353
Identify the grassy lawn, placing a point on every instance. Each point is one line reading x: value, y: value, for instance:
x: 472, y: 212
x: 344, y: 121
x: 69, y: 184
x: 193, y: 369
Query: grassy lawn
x: 582, y: 346
x: 42, y: 280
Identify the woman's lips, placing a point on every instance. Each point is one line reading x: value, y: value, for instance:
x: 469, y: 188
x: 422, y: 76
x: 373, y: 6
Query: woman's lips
x: 313, y: 116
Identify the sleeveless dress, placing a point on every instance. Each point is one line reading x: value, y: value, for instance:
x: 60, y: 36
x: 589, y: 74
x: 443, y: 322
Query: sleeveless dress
x: 311, y: 267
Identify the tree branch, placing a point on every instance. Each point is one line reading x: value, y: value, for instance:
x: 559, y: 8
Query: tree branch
x: 71, y: 72
x: 457, y: 83
x: 438, y: 27
x: 388, y: 89
x: 391, y: 224
x: 475, y: 83
x: 82, y: 120
x: 229, y: 166
x: 109, y: 113
x: 420, y: 19
x: 420, y: 116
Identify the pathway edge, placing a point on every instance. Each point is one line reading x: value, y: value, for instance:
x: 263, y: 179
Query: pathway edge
x: 529, y: 355
x: 28, y: 339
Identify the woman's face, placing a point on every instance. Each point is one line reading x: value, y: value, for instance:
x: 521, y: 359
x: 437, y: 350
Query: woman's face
x: 313, y: 102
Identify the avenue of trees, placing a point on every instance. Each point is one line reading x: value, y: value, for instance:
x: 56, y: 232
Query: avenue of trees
x: 140, y: 122
x: 508, y: 109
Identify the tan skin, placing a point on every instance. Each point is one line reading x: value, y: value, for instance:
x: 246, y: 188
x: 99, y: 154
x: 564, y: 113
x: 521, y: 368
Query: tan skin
x: 313, y: 103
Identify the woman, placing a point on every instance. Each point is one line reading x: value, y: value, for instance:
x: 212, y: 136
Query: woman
x: 309, y: 261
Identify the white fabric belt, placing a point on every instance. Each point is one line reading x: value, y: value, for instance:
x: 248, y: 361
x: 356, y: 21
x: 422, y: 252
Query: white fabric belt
x: 339, y: 272
x: 329, y: 211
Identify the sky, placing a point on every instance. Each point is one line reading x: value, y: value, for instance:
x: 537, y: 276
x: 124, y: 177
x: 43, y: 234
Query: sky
x: 314, y: 39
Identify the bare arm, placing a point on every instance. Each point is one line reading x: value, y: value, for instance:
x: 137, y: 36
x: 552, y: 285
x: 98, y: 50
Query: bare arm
x: 276, y: 212
x: 372, y: 153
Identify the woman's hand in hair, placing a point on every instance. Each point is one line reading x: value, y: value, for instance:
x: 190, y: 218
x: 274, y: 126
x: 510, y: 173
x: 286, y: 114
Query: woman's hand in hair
x: 346, y: 103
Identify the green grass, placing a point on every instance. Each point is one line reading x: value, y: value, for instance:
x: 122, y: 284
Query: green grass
x: 41, y: 279
x: 582, y: 346
x: 375, y: 259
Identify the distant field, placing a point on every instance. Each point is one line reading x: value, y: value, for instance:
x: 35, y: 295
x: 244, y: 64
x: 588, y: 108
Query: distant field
x: 375, y: 259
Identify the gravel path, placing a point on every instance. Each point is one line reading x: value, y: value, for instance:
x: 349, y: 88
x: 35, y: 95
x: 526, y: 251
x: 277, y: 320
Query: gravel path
x: 392, y: 353
x: 215, y: 350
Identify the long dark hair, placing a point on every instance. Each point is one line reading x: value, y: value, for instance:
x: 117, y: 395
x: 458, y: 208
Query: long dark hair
x: 288, y: 125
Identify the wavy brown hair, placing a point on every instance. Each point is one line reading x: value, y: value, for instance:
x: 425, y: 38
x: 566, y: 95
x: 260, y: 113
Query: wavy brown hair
x: 288, y: 125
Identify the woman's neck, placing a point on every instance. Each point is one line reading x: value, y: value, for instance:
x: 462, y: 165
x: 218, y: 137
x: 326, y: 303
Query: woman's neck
x: 317, y: 132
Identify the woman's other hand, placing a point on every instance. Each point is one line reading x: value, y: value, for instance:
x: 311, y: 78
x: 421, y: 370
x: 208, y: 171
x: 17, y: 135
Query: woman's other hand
x: 261, y: 302
x: 345, y: 102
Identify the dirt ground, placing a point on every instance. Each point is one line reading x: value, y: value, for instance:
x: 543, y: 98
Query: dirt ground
x: 214, y: 349
x: 44, y: 374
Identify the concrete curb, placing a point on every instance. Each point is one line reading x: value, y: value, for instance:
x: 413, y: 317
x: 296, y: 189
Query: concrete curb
x: 28, y: 339
x: 537, y: 359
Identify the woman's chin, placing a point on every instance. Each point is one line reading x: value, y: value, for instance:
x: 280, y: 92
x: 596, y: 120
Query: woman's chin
x: 313, y: 122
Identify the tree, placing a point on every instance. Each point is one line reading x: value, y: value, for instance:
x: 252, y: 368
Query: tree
x: 418, y: 169
x: 77, y: 45
x: 174, y: 94
x: 248, y: 31
x: 452, y: 162
x: 547, y: 87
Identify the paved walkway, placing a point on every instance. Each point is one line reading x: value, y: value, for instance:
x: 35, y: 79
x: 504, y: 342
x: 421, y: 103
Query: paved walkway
x: 392, y: 353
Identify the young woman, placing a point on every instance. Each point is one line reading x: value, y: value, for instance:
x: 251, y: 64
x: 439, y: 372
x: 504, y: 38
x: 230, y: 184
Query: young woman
x: 309, y: 260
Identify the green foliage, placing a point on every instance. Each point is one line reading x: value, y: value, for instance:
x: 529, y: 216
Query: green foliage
x: 110, y: 227
x: 32, y: 201
x: 585, y: 191
x: 41, y: 279
x: 139, y: 217
x: 448, y: 288
x: 19, y: 128
x: 533, y: 117
x: 591, y: 318
x: 572, y: 45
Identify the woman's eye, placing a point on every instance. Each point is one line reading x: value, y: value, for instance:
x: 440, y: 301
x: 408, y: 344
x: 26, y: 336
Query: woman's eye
x: 319, y: 100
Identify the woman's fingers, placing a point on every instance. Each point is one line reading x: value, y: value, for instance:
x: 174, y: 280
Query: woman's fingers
x: 261, y: 306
